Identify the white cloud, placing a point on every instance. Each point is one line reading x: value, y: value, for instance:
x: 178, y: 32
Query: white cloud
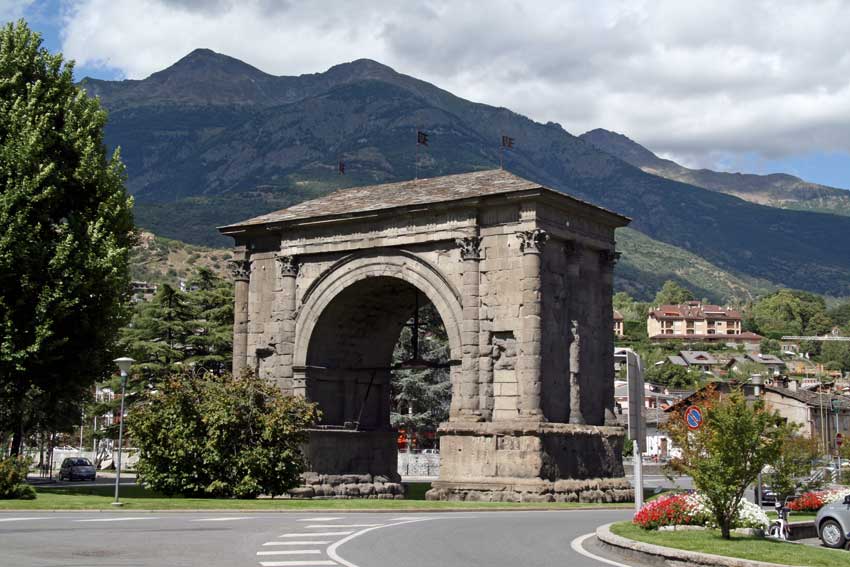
x: 693, y: 79
x: 13, y: 9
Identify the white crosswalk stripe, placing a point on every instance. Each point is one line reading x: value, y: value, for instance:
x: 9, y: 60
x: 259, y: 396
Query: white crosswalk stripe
x: 307, y: 542
x: 291, y: 552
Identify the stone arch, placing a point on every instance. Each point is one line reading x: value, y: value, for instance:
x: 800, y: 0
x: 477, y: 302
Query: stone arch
x: 385, y: 263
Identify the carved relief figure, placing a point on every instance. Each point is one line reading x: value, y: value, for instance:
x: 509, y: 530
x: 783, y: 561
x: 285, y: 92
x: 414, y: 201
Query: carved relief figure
x: 575, y: 374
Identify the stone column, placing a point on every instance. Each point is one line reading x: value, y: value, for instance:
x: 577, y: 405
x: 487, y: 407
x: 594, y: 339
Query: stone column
x: 471, y: 256
x: 241, y: 270
x: 284, y: 317
x: 574, y: 309
x: 530, y: 339
x: 607, y: 260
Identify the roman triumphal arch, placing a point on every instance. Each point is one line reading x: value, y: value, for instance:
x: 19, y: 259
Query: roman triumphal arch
x: 521, y: 277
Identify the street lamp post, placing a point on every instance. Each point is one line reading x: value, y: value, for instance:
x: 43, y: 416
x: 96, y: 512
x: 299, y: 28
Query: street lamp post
x: 124, y: 364
x: 836, y: 406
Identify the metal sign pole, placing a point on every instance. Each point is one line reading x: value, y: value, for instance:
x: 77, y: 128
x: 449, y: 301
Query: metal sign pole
x: 637, y: 426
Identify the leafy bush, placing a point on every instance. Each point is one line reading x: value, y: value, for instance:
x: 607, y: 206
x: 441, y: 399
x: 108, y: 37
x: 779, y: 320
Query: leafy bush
x: 220, y: 436
x: 13, y: 475
x: 694, y: 509
x: 817, y: 499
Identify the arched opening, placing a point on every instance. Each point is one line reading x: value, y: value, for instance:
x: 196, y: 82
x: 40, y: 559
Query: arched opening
x: 377, y: 358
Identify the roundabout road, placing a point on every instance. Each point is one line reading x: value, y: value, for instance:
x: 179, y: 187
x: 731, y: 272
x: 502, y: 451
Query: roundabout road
x: 270, y: 539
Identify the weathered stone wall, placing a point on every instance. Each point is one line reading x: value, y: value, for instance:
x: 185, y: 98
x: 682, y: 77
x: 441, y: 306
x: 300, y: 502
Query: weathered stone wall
x: 515, y: 281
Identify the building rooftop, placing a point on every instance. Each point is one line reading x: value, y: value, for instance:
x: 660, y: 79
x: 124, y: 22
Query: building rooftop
x: 698, y: 357
x: 694, y: 310
x: 618, y: 316
x: 358, y: 200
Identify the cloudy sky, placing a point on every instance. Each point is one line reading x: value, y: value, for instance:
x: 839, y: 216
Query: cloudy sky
x: 754, y: 86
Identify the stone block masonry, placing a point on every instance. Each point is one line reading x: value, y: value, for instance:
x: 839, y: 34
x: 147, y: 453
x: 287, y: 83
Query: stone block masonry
x: 521, y: 277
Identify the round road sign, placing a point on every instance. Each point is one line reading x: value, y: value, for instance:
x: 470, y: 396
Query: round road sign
x: 693, y: 418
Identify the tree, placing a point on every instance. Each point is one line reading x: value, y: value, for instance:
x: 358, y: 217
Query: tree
x: 422, y: 397
x: 672, y: 376
x: 671, y: 293
x: 794, y: 461
x: 737, y: 439
x: 211, y: 340
x: 224, y: 436
x: 837, y: 352
x: 790, y: 312
x: 840, y: 314
x: 67, y: 230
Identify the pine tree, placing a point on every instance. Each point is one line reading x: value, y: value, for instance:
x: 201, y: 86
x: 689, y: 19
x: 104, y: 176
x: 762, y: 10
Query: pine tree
x: 211, y: 341
x: 66, y: 229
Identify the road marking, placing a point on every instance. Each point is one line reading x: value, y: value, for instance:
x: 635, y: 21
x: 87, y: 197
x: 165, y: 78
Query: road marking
x: 119, y: 519
x: 331, y: 551
x: 577, y: 547
x: 309, y: 542
x: 227, y: 519
x: 296, y: 563
x: 19, y: 519
x: 322, y: 519
x: 325, y: 526
x: 292, y: 552
x: 317, y: 534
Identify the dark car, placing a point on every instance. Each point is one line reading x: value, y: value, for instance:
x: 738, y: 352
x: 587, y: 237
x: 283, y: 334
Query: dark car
x: 77, y: 468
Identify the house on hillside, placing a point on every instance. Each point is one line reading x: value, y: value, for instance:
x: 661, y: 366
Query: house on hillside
x: 618, y: 324
x: 698, y: 322
x: 770, y: 365
x: 701, y: 360
x: 812, y: 411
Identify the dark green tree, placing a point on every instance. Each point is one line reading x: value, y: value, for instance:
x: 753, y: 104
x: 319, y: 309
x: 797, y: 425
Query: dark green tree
x: 836, y: 352
x: 422, y: 396
x: 211, y: 339
x: 672, y: 376
x: 66, y: 229
x: 671, y: 293
x: 210, y: 435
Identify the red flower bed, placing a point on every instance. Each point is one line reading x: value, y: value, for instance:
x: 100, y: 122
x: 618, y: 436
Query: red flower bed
x: 808, y: 502
x: 675, y: 510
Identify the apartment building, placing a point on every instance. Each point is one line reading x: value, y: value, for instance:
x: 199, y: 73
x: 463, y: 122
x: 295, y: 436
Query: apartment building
x: 697, y: 321
x: 618, y: 324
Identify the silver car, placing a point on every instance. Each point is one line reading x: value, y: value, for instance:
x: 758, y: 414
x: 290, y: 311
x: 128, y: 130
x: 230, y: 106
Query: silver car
x: 833, y: 524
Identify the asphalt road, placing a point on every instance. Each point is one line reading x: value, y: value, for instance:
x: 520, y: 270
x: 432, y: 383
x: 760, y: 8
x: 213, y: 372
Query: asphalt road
x: 462, y: 539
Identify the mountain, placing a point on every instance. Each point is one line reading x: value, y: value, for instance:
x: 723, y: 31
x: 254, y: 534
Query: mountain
x: 212, y: 140
x: 776, y: 190
x: 159, y: 260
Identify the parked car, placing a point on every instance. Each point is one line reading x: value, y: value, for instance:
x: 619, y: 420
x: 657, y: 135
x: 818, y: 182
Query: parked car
x: 77, y: 468
x: 768, y: 497
x: 833, y: 524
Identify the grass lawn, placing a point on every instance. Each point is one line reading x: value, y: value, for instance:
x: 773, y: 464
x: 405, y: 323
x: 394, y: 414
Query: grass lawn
x: 744, y: 547
x: 139, y: 498
x: 796, y: 516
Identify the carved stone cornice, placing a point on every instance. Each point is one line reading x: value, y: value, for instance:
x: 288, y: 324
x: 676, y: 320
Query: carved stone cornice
x: 572, y: 249
x: 240, y: 269
x: 608, y: 258
x: 532, y: 241
x: 288, y: 265
x: 470, y: 247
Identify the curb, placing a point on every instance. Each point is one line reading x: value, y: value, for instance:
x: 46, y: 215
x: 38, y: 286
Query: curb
x: 300, y: 511
x: 658, y: 555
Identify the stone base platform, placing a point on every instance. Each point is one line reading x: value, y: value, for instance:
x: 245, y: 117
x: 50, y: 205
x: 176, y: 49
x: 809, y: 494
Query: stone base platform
x: 523, y: 490
x: 528, y: 461
x: 344, y: 486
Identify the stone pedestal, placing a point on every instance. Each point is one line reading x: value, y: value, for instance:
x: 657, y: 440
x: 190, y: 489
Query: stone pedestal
x: 518, y: 461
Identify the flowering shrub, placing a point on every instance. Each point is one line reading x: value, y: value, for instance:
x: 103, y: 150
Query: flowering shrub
x: 694, y: 509
x: 676, y: 510
x: 808, y: 502
x: 815, y: 500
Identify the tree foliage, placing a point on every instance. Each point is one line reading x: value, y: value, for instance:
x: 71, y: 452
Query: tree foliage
x: 421, y: 397
x: 791, y: 312
x: 67, y: 230
x: 793, y: 462
x: 671, y: 293
x: 737, y: 439
x: 209, y: 435
x: 673, y: 376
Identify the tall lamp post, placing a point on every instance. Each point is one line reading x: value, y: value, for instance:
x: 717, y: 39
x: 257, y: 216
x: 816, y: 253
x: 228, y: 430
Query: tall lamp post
x: 124, y: 364
x: 836, y: 407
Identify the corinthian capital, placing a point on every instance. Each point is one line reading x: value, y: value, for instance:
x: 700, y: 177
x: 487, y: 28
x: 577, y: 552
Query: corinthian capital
x: 532, y: 241
x: 240, y: 269
x: 288, y: 265
x: 470, y: 247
